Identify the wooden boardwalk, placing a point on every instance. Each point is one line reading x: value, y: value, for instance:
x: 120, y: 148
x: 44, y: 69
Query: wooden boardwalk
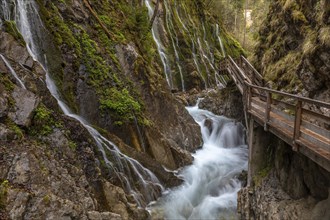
x: 300, y: 122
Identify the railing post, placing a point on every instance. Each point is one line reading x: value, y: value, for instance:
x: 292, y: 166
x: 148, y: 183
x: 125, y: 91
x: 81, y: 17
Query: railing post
x: 249, y: 98
x: 297, y: 123
x: 267, y: 112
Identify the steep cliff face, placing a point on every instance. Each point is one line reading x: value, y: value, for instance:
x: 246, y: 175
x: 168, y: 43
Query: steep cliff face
x: 106, y: 66
x: 293, y: 48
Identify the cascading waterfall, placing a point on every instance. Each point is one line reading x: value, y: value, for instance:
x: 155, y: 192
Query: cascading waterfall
x: 126, y: 169
x: 12, y: 71
x: 160, y: 47
x: 170, y: 26
x: 202, y: 57
x: 210, y: 184
x: 219, y: 39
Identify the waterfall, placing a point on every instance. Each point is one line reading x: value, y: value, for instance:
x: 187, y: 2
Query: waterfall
x: 160, y: 47
x: 12, y: 71
x: 210, y: 184
x: 127, y: 170
x: 170, y: 26
x: 219, y: 39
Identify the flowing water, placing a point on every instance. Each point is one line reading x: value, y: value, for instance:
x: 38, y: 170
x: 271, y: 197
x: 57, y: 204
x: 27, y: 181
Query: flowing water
x: 160, y: 47
x: 210, y: 184
x: 127, y: 170
x: 12, y: 71
x: 219, y: 39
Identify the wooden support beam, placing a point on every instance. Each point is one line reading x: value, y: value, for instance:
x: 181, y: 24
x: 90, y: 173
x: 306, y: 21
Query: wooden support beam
x: 267, y: 110
x: 297, y: 123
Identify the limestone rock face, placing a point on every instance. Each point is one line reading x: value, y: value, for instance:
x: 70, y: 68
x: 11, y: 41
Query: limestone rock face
x: 3, y: 101
x: 14, y: 50
x: 293, y: 50
x: 295, y: 188
x: 25, y: 103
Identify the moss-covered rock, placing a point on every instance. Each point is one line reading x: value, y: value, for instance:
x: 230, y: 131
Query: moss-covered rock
x: 293, y: 45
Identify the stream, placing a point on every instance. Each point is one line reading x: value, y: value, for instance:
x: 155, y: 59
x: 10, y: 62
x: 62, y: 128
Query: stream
x: 211, y: 183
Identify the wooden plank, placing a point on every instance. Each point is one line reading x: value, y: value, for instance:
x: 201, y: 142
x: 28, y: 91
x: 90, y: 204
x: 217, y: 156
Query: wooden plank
x: 281, y: 122
x: 285, y: 115
x: 282, y: 133
x: 316, y: 116
x: 317, y: 129
x: 318, y: 155
x: 316, y: 138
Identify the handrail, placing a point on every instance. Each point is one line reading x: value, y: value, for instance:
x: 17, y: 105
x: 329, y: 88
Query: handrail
x: 252, y: 67
x: 261, y: 104
x: 304, y: 99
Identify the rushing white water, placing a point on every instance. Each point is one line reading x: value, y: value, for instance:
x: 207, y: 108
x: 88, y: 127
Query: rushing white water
x: 12, y: 71
x: 127, y: 170
x: 210, y: 184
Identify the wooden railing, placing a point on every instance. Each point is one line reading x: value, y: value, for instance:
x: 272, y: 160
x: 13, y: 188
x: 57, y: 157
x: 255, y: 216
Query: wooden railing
x: 301, y: 122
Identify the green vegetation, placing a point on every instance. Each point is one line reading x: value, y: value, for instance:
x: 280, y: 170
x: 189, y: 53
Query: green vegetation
x: 46, y: 199
x: 120, y: 102
x: 3, y: 194
x: 43, y: 121
x: 10, y: 27
x: 13, y: 127
x: 4, y: 79
x: 72, y: 145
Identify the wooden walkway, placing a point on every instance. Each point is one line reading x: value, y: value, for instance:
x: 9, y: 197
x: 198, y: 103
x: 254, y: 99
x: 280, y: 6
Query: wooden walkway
x: 297, y: 120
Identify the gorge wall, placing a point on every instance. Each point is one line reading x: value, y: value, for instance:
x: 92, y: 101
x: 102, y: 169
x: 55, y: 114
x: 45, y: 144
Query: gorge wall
x: 293, y: 55
x: 106, y: 66
x: 293, y: 47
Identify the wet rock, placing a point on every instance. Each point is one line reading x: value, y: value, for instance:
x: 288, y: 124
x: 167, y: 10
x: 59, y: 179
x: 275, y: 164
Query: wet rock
x: 6, y: 134
x: 3, y: 101
x: 161, y: 152
x: 321, y: 211
x: 116, y: 199
x: 19, y: 173
x: 93, y: 215
x: 14, y: 50
x: 127, y: 55
x: 25, y: 103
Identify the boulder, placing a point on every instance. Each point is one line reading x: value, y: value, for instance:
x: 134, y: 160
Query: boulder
x: 14, y: 50
x: 25, y: 103
x: 19, y: 173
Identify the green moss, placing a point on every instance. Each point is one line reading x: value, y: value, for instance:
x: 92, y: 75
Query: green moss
x: 4, y: 79
x: 283, y: 72
x: 61, y: 31
x: 3, y: 194
x: 13, y: 127
x: 46, y: 199
x: 257, y: 179
x: 120, y: 102
x: 72, y: 145
x: 43, y: 121
x: 10, y: 27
